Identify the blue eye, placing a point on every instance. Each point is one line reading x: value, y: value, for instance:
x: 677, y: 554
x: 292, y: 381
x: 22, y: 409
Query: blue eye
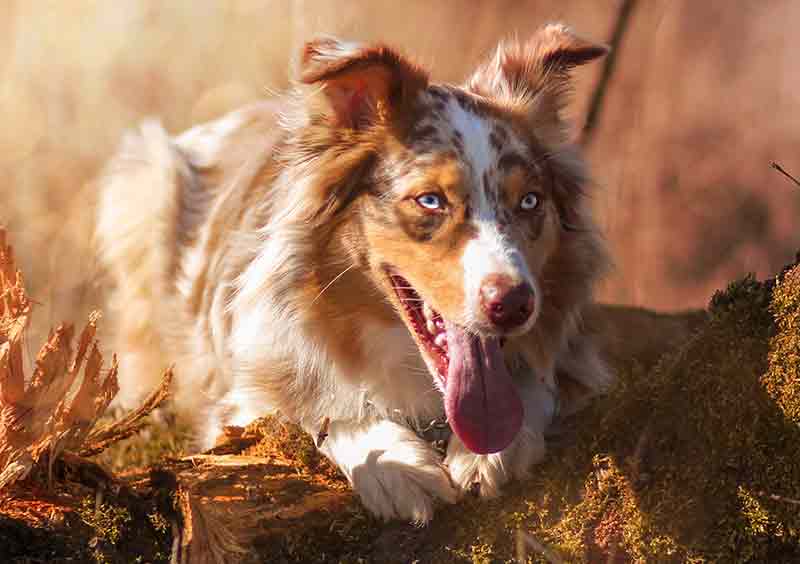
x: 429, y: 201
x: 529, y: 202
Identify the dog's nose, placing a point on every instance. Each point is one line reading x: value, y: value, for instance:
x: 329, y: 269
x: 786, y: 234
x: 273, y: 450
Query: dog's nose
x: 505, y: 304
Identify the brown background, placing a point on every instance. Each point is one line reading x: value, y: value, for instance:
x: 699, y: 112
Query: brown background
x: 705, y: 96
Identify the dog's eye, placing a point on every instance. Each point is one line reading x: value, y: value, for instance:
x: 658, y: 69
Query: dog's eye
x: 529, y: 202
x: 430, y: 201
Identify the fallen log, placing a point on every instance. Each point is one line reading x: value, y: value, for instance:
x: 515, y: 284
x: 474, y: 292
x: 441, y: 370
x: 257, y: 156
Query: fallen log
x: 694, y: 454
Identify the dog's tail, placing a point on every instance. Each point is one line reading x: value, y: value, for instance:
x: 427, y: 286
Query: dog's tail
x: 137, y: 236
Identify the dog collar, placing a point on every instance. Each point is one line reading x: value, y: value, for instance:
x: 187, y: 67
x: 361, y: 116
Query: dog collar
x: 436, y: 432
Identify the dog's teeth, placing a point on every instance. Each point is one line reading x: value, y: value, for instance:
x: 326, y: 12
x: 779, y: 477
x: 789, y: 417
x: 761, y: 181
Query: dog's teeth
x: 426, y: 309
x: 441, y: 340
x: 431, y: 327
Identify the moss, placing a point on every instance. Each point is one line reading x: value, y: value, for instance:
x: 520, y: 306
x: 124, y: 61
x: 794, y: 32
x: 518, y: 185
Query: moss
x: 278, y: 436
x: 744, y: 301
x: 118, y: 534
x: 704, y: 428
x: 476, y: 554
x: 674, y: 451
x: 108, y: 521
x: 758, y: 523
x: 782, y: 379
x: 159, y: 522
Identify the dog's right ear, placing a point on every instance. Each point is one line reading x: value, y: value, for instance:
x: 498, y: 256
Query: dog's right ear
x: 535, y: 76
x: 360, y: 84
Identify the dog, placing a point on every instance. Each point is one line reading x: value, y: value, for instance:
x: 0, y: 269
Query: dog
x: 376, y: 257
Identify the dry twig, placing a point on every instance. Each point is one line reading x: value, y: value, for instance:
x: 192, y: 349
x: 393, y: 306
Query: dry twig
x: 775, y: 497
x: 621, y: 25
x: 130, y: 424
x: 780, y: 169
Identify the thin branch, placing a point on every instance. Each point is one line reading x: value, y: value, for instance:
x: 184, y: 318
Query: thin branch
x: 780, y: 169
x: 131, y: 423
x: 621, y: 25
x: 780, y: 498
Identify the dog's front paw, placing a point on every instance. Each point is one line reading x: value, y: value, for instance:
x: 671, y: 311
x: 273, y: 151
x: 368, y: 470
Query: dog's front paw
x: 392, y: 485
x: 396, y: 474
x: 487, y: 473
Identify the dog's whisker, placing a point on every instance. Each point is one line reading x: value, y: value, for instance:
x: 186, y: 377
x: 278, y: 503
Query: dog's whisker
x: 329, y: 284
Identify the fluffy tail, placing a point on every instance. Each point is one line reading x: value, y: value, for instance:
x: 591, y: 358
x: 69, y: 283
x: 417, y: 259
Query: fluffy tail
x: 137, y: 236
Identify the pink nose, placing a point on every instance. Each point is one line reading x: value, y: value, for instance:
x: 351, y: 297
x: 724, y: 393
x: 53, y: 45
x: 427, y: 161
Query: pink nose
x: 506, y: 305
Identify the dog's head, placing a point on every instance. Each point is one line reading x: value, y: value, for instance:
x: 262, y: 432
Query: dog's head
x: 467, y: 199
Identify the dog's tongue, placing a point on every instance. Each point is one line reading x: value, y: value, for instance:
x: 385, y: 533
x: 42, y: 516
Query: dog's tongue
x: 480, y: 399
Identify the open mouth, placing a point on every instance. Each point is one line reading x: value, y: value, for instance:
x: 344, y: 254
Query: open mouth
x: 426, y: 322
x: 480, y: 397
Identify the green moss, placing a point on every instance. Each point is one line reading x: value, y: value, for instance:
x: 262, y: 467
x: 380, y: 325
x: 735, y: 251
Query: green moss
x: 782, y: 380
x: 680, y: 444
x: 125, y: 534
x: 744, y: 301
x: 281, y: 436
x: 108, y: 521
x: 159, y: 522
x: 474, y: 554
x: 99, y: 556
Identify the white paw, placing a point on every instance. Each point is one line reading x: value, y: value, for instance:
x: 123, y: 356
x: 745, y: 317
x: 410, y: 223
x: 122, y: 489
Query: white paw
x: 394, y: 472
x: 489, y: 472
x: 391, y: 487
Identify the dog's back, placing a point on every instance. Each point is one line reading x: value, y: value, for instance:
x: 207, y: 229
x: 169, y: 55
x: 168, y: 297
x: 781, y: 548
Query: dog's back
x: 165, y: 207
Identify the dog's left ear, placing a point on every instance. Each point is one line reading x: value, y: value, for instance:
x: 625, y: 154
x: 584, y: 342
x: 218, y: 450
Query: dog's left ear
x: 535, y: 76
x: 361, y: 84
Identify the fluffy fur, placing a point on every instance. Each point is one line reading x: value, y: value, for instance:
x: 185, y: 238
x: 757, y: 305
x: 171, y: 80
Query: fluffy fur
x: 257, y: 254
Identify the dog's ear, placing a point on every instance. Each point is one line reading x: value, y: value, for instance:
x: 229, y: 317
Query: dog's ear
x: 536, y: 75
x: 360, y: 84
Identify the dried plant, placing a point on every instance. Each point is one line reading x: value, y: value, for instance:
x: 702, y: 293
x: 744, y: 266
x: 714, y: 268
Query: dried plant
x: 55, y: 410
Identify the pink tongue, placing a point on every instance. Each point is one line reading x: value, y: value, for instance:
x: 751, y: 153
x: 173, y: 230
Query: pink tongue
x: 480, y: 399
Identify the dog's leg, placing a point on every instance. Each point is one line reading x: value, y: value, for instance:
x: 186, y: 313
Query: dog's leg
x: 582, y: 375
x: 488, y: 473
x: 395, y: 473
x: 238, y: 407
x: 140, y: 367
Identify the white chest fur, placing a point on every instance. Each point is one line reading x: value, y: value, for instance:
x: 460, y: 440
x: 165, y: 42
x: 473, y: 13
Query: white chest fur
x: 395, y: 379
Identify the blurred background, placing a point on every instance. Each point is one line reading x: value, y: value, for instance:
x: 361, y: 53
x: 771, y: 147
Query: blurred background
x: 703, y: 98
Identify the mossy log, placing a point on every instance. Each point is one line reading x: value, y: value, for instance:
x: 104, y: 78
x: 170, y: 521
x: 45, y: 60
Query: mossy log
x: 694, y: 456
x: 264, y: 494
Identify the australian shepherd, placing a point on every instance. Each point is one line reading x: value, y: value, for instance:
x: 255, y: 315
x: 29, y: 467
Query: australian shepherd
x: 398, y: 263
